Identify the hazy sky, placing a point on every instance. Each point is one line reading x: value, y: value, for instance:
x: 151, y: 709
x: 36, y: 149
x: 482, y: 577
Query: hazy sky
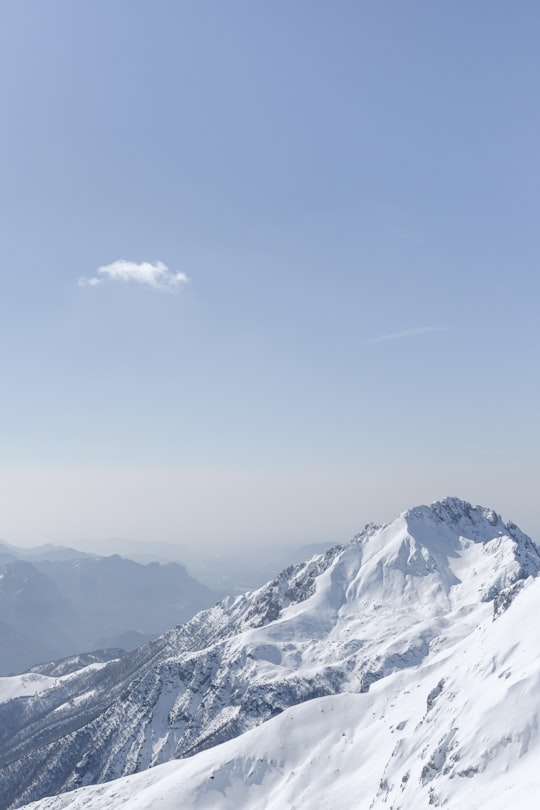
x: 269, y: 269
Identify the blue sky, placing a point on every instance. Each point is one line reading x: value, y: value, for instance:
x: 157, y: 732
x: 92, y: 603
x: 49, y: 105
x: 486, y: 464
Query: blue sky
x: 347, y: 196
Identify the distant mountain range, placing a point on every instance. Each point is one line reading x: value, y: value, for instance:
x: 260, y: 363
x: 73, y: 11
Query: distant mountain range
x: 400, y: 670
x: 223, y: 570
x: 56, y: 602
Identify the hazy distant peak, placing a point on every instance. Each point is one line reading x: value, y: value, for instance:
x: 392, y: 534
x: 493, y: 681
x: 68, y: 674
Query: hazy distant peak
x: 47, y: 551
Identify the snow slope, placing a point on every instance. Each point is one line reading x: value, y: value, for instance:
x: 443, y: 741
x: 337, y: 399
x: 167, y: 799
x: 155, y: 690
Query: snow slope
x: 459, y: 731
x: 403, y: 670
x: 23, y: 685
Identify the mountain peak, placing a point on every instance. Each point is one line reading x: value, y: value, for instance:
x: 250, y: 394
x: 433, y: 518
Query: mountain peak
x: 457, y: 512
x: 478, y: 523
x: 475, y: 545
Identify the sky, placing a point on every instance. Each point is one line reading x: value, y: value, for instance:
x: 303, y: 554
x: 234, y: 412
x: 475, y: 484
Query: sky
x: 269, y: 270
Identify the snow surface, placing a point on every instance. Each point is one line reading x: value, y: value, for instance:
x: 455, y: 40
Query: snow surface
x: 31, y: 683
x: 421, y: 638
x: 473, y: 744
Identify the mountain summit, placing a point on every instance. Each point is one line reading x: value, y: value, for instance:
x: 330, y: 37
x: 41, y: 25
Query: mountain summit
x: 377, y: 632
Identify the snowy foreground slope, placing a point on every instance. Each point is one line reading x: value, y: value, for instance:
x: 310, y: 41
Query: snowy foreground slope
x: 404, y: 670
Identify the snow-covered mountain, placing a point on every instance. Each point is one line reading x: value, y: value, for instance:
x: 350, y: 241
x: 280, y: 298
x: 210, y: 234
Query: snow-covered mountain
x: 401, y: 670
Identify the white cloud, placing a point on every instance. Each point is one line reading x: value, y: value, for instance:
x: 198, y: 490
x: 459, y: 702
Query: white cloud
x: 153, y: 274
x: 420, y: 330
x: 88, y: 282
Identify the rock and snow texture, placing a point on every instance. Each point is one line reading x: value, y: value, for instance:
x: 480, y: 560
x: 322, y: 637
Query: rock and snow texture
x: 402, y: 670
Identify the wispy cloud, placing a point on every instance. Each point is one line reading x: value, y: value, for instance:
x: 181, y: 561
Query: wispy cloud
x: 153, y: 274
x: 420, y: 330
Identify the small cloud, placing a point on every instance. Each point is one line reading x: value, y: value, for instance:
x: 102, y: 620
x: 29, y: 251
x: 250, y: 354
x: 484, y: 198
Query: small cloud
x: 88, y: 282
x: 153, y: 274
x: 420, y: 330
